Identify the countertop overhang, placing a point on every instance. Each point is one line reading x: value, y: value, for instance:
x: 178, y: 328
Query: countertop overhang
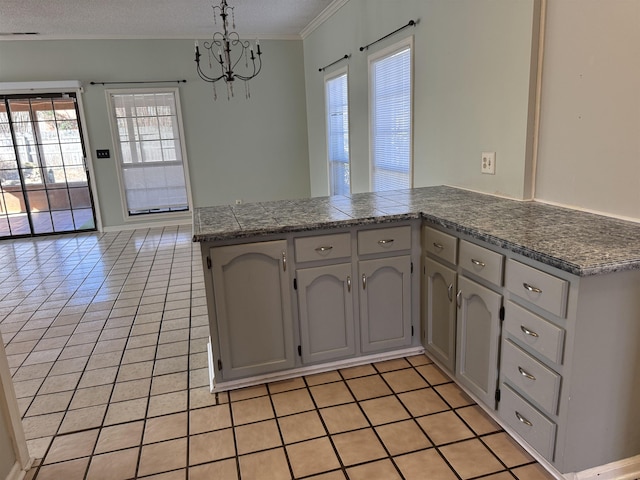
x: 577, y: 242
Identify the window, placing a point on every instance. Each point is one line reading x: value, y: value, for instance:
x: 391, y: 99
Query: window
x: 337, y: 100
x: 390, y: 76
x: 149, y: 136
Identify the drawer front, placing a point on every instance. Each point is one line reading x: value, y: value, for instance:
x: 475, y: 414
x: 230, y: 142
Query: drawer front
x: 536, y: 429
x: 481, y: 261
x: 383, y: 240
x: 441, y: 244
x: 537, y: 333
x: 532, y: 377
x: 540, y: 288
x: 323, y: 247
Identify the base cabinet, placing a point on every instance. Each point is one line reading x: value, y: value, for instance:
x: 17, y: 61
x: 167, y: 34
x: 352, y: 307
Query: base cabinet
x: 252, y: 299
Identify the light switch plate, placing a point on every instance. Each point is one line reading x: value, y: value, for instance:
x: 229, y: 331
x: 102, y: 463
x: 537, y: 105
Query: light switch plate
x: 489, y: 163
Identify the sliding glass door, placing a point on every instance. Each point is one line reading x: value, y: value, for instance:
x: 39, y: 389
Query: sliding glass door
x: 44, y: 185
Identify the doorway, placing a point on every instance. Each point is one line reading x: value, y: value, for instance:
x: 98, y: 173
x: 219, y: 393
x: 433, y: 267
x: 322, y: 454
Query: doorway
x: 44, y: 180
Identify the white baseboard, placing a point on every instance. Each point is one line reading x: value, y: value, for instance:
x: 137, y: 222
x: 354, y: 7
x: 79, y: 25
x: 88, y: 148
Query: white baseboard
x: 307, y: 370
x: 16, y: 472
x: 625, y: 469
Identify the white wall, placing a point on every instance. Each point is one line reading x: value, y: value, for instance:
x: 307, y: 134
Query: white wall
x: 240, y: 149
x: 589, y: 149
x: 472, y: 89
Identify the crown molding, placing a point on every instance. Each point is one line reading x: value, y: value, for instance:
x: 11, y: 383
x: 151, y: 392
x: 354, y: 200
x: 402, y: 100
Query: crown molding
x: 324, y: 16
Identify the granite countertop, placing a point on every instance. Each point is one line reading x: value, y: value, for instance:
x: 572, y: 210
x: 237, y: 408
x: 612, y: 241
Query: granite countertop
x: 577, y: 242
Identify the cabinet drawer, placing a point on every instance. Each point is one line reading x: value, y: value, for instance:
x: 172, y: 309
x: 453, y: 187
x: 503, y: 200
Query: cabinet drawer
x: 322, y: 247
x: 441, y: 244
x: 481, y: 261
x: 383, y: 240
x: 540, y: 288
x: 532, y: 377
x: 537, y: 333
x: 536, y: 429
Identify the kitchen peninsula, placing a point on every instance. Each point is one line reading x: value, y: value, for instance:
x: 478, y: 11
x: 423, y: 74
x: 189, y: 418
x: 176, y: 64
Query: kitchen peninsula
x: 533, y: 309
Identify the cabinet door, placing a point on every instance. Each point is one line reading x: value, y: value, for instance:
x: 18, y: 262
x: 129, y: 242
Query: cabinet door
x: 440, y: 314
x: 478, y: 339
x: 253, y: 308
x: 385, y: 303
x: 325, y: 301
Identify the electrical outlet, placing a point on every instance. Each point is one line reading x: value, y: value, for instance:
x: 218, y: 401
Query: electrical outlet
x: 489, y: 163
x: 238, y: 202
x: 102, y: 153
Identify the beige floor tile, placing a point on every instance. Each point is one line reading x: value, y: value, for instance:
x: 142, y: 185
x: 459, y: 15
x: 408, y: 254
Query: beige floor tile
x: 202, y: 397
x: 99, y: 376
x: 69, y: 365
x: 52, y: 403
x: 126, y: 411
x: 90, y: 397
x: 39, y: 446
x: 167, y: 403
x: 104, y: 360
x: 303, y: 426
x: 207, y: 419
x: 417, y: 360
x: 222, y: 470
x: 423, y: 402
x: 83, y: 419
x: 358, y: 371
x: 329, y: 394
x: 444, y: 427
x: 199, y: 377
x: 294, y: 401
x: 499, y: 476
x: 286, y: 385
x: 135, y: 371
x: 172, y: 382
x: 119, y: 437
x: 59, y: 383
x: 252, y: 410
x: 162, y: 457
x: 167, y: 427
x: 131, y: 390
x: 454, y: 395
x: 382, y: 469
x: 320, y: 378
x: 257, y: 436
x: 335, y: 475
x: 41, y: 370
x: 402, y: 437
x: 414, y: 465
x: 136, y: 355
x: 479, y: 421
x: 212, y: 446
x: 389, y: 365
x: 364, y: 388
x: 532, y: 472
x: 507, y: 449
x: 433, y: 374
x: 312, y: 456
x: 42, y: 425
x: 267, y: 465
x: 384, y: 410
x: 69, y: 470
x: 358, y: 446
x: 343, y: 418
x: 404, y: 380
x: 471, y: 459
x: 69, y: 447
x: 171, y: 365
x: 27, y: 388
x: 114, y: 465
x: 248, y: 392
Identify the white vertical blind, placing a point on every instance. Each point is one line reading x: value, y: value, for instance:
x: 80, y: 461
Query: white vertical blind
x: 150, y: 152
x: 337, y: 101
x: 391, y: 92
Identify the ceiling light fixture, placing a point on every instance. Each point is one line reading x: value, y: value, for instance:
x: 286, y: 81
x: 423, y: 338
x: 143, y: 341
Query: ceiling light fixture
x: 219, y: 52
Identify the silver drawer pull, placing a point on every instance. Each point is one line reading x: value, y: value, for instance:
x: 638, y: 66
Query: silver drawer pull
x: 439, y: 246
x: 478, y: 263
x: 386, y: 242
x: 348, y: 283
x: 284, y: 261
x: 450, y: 292
x: 324, y: 249
x: 459, y: 298
x: 526, y: 331
x: 526, y: 374
x: 531, y: 289
x: 523, y: 420
x: 364, y: 281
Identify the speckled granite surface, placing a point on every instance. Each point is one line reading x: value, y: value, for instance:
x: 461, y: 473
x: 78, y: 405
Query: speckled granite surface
x: 577, y: 242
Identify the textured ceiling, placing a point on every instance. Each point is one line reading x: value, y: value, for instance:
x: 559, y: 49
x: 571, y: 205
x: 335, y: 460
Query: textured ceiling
x: 154, y: 18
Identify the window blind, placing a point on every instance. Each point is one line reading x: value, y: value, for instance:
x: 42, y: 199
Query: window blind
x: 337, y: 100
x: 391, y: 120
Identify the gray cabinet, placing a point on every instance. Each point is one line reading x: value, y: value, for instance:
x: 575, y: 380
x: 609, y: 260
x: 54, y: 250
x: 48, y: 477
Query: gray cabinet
x: 325, y: 304
x: 252, y: 297
x: 385, y: 303
x: 440, y: 312
x: 478, y: 339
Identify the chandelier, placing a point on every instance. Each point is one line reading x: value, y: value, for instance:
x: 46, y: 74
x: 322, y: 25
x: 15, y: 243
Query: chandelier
x: 219, y: 52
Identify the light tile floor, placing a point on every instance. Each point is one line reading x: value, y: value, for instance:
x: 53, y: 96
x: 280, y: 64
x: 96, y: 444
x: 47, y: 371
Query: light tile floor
x: 106, y: 338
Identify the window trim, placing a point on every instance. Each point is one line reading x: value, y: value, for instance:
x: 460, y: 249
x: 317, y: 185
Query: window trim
x: 386, y: 52
x: 118, y: 155
x: 327, y: 78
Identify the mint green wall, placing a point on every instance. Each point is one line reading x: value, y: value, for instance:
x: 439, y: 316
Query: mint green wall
x: 240, y: 149
x: 472, y: 89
